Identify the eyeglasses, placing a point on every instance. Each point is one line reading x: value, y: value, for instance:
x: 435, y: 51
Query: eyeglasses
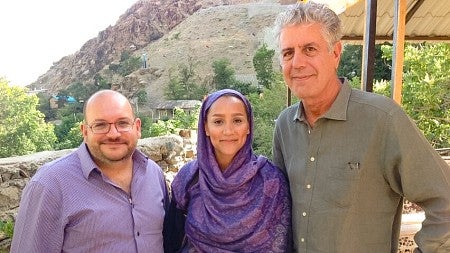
x: 103, y: 127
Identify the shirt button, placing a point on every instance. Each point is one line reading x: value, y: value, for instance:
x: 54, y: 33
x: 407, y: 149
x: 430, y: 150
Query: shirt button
x: 304, y: 213
x: 308, y: 186
x: 312, y: 159
x: 138, y: 234
x: 302, y: 239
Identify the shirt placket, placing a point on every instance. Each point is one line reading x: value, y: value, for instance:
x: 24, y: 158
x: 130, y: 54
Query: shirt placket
x: 309, y: 183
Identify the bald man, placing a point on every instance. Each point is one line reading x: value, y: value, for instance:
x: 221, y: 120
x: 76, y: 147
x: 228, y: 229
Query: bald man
x: 106, y: 196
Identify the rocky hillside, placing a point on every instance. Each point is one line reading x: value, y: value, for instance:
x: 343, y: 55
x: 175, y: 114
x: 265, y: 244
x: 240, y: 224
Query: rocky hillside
x: 170, y: 32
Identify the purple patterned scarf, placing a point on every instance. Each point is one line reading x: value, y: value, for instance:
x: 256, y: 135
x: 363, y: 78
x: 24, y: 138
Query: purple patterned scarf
x: 246, y: 208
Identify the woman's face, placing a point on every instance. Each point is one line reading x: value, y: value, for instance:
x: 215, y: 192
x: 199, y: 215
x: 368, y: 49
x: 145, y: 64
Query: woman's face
x: 227, y: 127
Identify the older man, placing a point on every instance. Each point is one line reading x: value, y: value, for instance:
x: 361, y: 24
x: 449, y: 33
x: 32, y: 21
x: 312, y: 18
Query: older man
x: 351, y: 156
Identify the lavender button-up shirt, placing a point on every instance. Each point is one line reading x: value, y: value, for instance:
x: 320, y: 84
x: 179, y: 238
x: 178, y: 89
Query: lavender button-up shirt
x: 69, y: 206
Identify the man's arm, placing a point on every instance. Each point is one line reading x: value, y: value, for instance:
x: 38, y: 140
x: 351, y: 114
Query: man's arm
x: 417, y: 172
x: 277, y: 153
x: 38, y: 225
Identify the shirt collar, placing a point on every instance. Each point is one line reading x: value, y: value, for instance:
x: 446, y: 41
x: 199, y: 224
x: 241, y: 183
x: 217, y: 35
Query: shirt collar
x: 337, y: 111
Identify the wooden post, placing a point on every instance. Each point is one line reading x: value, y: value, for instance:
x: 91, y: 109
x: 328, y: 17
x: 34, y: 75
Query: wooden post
x: 398, y: 50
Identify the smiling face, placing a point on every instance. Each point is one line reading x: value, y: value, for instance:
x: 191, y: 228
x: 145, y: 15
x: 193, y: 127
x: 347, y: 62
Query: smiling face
x: 309, y: 67
x: 227, y: 126
x: 113, y: 146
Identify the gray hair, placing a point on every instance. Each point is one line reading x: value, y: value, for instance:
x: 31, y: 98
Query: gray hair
x: 311, y: 12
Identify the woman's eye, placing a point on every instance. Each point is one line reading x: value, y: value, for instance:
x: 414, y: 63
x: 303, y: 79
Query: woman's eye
x: 218, y: 122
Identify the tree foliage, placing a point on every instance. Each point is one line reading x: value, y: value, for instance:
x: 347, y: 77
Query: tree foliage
x: 186, y: 85
x: 351, y: 62
x: 223, y: 74
x: 181, y: 120
x: 426, y: 85
x: 262, y: 63
x: 22, y: 127
x: 72, y: 137
x: 426, y: 98
x: 266, y: 107
x: 426, y: 90
x: 224, y: 78
x: 7, y: 227
x: 141, y: 97
x: 127, y: 64
x: 81, y: 92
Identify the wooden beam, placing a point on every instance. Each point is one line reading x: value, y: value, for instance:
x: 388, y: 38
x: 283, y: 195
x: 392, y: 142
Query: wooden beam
x: 382, y: 38
x: 399, y: 49
x: 413, y: 10
x: 368, y: 64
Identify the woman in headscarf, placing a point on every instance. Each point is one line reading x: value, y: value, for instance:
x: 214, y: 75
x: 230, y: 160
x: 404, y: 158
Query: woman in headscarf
x: 234, y: 200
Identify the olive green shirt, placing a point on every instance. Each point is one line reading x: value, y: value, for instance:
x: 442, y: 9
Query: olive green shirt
x: 349, y: 174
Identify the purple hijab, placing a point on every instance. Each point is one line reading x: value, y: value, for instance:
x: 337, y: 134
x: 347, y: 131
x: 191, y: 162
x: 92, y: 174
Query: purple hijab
x: 246, y: 208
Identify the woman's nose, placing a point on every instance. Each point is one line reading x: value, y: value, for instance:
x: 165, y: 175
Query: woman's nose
x: 228, y: 128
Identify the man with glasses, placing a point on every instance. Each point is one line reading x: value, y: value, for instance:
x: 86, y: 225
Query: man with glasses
x: 106, y: 196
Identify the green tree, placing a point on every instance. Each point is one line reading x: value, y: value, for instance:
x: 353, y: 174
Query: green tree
x: 185, y: 85
x: 44, y: 106
x: 100, y: 83
x: 22, y: 127
x: 244, y: 88
x: 127, y: 64
x: 181, y: 120
x: 81, y: 92
x: 67, y: 130
x: 426, y: 82
x: 426, y: 86
x: 72, y: 139
x: 351, y: 62
x: 266, y: 107
x: 184, y: 120
x: 224, y: 78
x: 146, y: 124
x: 223, y: 74
x: 141, y: 96
x: 262, y: 62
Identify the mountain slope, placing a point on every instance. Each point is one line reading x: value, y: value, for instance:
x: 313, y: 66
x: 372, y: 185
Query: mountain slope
x: 170, y: 32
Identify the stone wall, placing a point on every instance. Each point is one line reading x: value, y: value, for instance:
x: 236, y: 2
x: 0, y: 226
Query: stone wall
x: 170, y: 152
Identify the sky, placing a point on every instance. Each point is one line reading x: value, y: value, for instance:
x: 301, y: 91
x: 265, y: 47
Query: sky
x: 36, y: 33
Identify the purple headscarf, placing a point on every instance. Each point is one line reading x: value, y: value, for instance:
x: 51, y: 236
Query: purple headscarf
x: 246, y: 208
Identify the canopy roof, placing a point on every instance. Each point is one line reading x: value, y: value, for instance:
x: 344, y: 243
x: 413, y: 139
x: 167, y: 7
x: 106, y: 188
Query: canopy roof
x: 426, y: 20
x: 398, y: 21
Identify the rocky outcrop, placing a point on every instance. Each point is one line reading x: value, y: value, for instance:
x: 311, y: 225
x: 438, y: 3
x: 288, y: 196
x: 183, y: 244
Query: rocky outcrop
x: 144, y: 22
x: 171, y: 33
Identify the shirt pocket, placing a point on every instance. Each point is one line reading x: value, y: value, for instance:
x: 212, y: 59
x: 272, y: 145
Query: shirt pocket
x: 342, y: 184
